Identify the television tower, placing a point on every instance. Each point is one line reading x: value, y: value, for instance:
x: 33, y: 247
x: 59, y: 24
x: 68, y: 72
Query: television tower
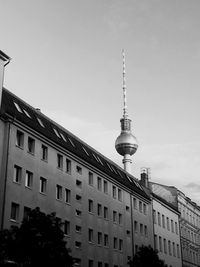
x: 126, y: 143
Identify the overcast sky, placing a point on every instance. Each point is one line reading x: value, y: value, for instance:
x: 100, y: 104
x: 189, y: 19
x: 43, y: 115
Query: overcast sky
x: 67, y: 61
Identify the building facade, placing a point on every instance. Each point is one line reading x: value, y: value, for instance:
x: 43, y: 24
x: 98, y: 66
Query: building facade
x: 189, y: 222
x: 166, y: 232
x: 107, y: 214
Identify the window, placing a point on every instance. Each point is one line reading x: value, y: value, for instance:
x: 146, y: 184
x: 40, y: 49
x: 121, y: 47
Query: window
x: 20, y: 139
x: 100, y: 264
x: 78, y: 228
x: 66, y: 227
x: 99, y: 238
x: 120, y: 244
x: 145, y: 231
x: 79, y: 183
x: 17, y: 174
x: 114, y: 216
x: 90, y: 263
x: 44, y: 153
x: 31, y: 145
x: 115, y: 243
x: 160, y: 243
x: 67, y: 195
x: 56, y: 132
x: 90, y: 235
x: 172, y: 226
x: 165, y: 245
x: 78, y: 213
x: 128, y: 232
x: 174, y: 251
x: 141, y: 228
x: 163, y: 221
x: 40, y: 122
x: 145, y: 209
x: 99, y: 184
x: 68, y: 166
x: 78, y: 169
x: 99, y: 209
x: 120, y: 218
x: 119, y: 194
x: 77, y: 244
x: 114, y: 191
x: 135, y: 226
x: 168, y: 228
x: 156, y: 241
x: 127, y: 208
x: 58, y: 192
x: 90, y: 178
x: 178, y: 251
x: 140, y: 206
x: 135, y: 203
x: 105, y: 213
x: 59, y: 161
x: 17, y: 107
x: 14, y: 211
x: 106, y: 240
x: 105, y: 187
x: 90, y: 205
x: 43, y: 185
x: 26, y: 213
x: 106, y: 265
x: 169, y: 247
x: 154, y: 216
x: 159, y: 222
x: 78, y: 198
x: 176, y: 228
x: 29, y: 179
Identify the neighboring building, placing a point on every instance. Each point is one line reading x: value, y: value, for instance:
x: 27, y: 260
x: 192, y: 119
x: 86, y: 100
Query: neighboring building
x: 165, y: 224
x: 107, y: 215
x: 189, y: 220
x: 166, y: 232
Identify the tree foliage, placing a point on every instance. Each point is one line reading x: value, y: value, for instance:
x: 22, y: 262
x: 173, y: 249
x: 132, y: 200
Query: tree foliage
x: 145, y: 257
x: 39, y: 241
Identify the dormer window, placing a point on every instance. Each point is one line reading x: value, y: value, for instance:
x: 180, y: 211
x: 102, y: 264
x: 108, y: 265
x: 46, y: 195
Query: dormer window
x: 56, y: 132
x: 71, y: 142
x: 18, y: 107
x: 26, y: 113
x: 63, y: 137
x: 40, y: 122
x: 85, y: 151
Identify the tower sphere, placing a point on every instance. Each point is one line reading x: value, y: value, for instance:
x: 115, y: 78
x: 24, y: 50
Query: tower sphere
x: 126, y: 143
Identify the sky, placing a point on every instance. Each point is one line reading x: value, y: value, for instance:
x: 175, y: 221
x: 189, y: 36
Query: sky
x: 67, y: 61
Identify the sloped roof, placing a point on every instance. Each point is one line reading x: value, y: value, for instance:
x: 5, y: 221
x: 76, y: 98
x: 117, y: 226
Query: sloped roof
x: 15, y: 107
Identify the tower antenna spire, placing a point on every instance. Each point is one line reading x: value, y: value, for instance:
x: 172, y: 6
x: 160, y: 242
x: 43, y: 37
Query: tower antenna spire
x: 126, y: 143
x: 125, y: 111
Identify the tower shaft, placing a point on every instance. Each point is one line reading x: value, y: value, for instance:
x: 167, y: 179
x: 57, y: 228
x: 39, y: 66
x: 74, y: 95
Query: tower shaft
x: 126, y: 144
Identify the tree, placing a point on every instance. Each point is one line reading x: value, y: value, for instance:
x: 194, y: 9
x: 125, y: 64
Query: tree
x: 39, y: 241
x: 145, y: 257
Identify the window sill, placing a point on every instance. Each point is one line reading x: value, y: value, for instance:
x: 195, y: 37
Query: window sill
x: 31, y: 153
x: 21, y: 147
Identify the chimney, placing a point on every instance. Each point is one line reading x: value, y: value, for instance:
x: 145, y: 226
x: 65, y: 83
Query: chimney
x: 145, y: 175
x: 4, y: 60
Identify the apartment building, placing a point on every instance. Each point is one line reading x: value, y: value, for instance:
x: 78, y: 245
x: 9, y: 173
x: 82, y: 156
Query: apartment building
x: 107, y: 214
